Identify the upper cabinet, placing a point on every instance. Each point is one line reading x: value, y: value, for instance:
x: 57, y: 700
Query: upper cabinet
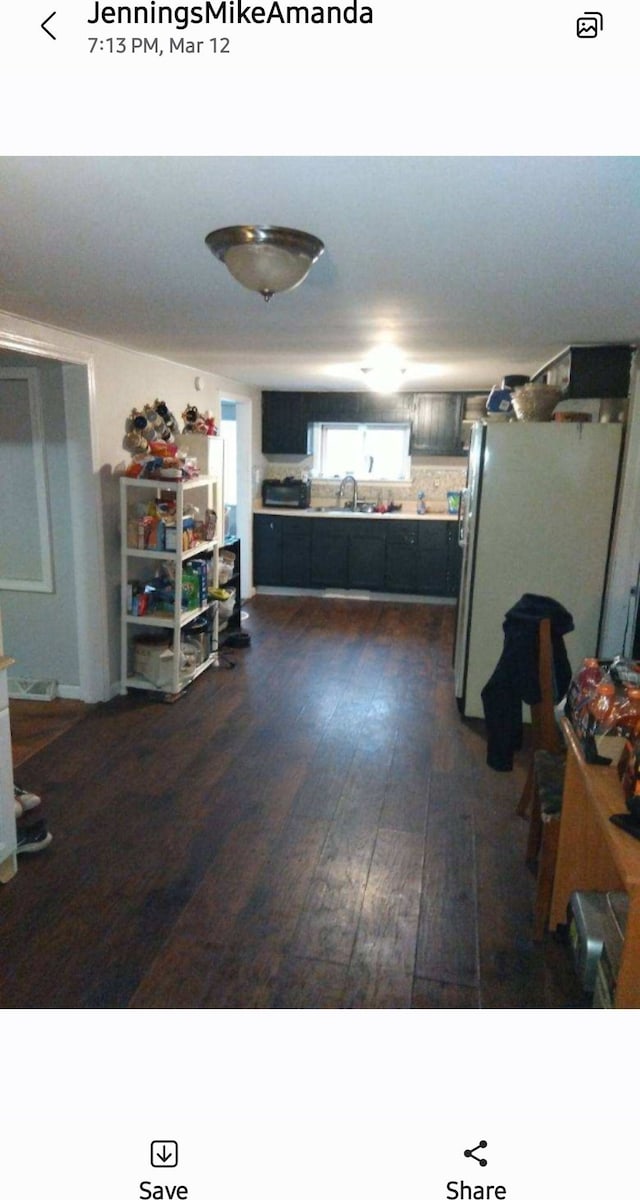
x: 285, y: 423
x: 436, y: 425
x: 435, y: 417
x: 590, y: 372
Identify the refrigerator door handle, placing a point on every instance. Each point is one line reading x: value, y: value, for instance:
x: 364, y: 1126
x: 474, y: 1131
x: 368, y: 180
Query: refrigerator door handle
x: 463, y: 517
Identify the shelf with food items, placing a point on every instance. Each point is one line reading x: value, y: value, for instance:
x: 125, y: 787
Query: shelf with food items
x: 169, y: 581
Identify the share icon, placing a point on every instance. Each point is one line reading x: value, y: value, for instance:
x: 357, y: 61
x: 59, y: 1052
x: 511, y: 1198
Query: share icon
x: 471, y: 1154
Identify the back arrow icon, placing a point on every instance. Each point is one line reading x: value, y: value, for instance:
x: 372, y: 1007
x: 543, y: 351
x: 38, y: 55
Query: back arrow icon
x: 45, y: 23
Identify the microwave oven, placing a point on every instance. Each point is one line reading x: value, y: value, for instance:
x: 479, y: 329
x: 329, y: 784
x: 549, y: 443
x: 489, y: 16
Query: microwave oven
x: 285, y: 493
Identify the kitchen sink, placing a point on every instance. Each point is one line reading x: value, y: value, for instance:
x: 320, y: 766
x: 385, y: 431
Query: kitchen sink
x: 344, y: 512
x: 333, y: 508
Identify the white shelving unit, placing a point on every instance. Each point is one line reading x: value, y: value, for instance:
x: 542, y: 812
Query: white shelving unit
x: 141, y: 565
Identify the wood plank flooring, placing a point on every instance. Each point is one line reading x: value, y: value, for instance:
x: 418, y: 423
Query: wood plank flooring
x: 315, y: 828
x: 36, y: 723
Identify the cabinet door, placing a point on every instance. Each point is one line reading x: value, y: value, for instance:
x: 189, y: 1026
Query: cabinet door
x: 330, y: 553
x: 437, y: 423
x: 285, y: 422
x: 296, y: 551
x: 401, y: 565
x: 333, y: 406
x: 433, y: 551
x: 454, y: 561
x: 366, y: 555
x: 376, y: 408
x: 267, y: 550
x: 591, y: 372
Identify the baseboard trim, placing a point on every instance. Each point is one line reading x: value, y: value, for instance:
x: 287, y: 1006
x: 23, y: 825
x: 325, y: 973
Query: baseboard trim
x: 353, y: 594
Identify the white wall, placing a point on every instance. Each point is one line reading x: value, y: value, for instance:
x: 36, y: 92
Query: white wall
x: 119, y: 380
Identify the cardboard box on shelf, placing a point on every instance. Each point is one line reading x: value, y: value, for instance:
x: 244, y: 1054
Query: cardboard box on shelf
x: 154, y: 661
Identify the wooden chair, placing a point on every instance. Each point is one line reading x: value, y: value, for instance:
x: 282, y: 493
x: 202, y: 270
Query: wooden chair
x: 542, y: 793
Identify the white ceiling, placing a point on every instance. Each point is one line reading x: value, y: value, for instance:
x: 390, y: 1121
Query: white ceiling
x: 473, y: 267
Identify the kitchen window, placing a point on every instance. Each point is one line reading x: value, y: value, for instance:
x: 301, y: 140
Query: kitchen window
x: 370, y: 452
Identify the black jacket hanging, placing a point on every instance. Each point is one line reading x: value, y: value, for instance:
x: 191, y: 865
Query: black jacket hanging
x: 515, y: 679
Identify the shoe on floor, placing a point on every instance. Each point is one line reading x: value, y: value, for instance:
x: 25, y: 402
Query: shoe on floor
x: 33, y: 838
x: 25, y: 799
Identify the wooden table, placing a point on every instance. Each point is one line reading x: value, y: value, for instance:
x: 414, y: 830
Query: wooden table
x: 593, y: 855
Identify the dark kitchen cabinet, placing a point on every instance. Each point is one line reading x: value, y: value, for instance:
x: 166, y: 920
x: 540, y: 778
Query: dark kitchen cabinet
x: 401, y: 563
x: 296, y: 551
x: 436, y: 423
x: 590, y: 372
x: 439, y: 559
x: 366, y: 561
x: 431, y: 559
x: 334, y: 406
x: 347, y: 553
x: 406, y: 557
x: 285, y: 423
x: 281, y: 551
x: 435, y: 418
x: 330, y: 552
x: 381, y: 409
x: 267, y: 550
x: 356, y: 407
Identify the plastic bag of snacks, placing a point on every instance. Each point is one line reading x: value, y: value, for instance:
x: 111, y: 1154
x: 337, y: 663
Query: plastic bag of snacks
x: 603, y: 701
x: 581, y: 692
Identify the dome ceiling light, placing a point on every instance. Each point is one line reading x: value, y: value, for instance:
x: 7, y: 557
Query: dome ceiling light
x: 265, y: 258
x: 386, y: 370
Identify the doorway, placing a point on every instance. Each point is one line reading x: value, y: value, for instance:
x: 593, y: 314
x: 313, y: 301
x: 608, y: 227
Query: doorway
x: 236, y: 429
x: 54, y: 620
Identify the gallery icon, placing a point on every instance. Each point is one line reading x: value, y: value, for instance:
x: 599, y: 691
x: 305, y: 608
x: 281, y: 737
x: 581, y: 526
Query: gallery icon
x: 164, y: 1154
x: 589, y: 25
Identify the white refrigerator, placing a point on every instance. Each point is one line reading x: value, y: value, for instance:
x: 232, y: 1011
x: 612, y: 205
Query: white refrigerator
x: 536, y: 516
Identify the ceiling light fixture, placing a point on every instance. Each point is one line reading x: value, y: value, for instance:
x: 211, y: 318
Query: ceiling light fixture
x: 265, y: 258
x: 386, y: 370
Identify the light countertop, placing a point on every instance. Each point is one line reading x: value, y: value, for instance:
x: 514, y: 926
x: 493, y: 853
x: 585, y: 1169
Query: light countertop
x: 405, y: 514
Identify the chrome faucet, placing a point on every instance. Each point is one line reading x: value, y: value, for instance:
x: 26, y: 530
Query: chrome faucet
x: 354, y: 502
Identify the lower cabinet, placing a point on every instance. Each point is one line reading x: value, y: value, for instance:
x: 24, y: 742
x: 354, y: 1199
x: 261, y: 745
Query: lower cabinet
x: 296, y: 552
x: 329, y: 552
x: 267, y: 550
x: 407, y: 557
x: 281, y: 551
x: 439, y: 559
x: 431, y: 559
x: 401, y: 562
x: 366, y: 560
x: 347, y: 554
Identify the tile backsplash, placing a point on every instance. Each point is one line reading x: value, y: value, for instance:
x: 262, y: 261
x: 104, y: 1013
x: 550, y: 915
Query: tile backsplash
x: 433, y: 478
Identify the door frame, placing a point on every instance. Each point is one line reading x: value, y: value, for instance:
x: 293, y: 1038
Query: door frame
x: 86, y: 510
x: 244, y: 471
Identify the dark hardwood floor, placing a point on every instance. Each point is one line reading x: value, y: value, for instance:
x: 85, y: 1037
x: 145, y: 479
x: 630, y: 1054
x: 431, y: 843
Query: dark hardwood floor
x: 36, y: 723
x: 313, y: 828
